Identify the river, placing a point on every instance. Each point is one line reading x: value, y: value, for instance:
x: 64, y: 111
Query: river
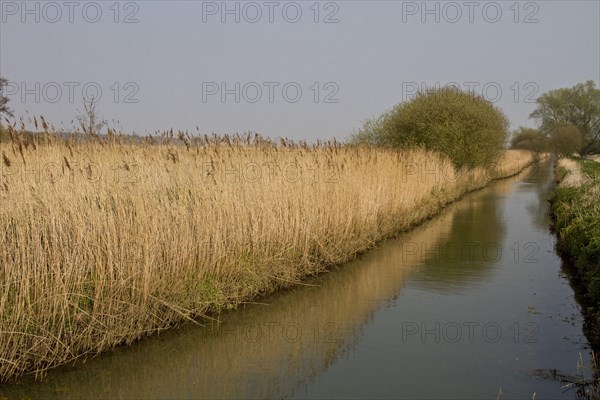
x: 468, y: 305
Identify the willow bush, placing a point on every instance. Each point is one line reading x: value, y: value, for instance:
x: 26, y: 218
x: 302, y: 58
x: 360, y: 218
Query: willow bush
x: 462, y: 125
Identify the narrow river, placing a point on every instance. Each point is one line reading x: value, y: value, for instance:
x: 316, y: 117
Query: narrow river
x: 468, y: 305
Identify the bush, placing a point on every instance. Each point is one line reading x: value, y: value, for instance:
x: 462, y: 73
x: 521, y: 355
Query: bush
x: 529, y: 139
x: 464, y: 126
x: 566, y: 140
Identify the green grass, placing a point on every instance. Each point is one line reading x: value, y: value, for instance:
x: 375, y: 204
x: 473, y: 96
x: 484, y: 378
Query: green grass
x: 577, y: 223
x: 589, y: 167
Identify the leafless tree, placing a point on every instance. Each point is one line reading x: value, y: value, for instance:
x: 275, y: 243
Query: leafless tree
x: 90, y: 122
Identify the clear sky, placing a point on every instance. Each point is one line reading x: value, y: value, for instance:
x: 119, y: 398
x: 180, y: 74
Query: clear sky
x: 302, y: 69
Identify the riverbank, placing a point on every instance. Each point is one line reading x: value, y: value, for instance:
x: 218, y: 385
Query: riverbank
x: 105, y: 243
x: 576, y: 212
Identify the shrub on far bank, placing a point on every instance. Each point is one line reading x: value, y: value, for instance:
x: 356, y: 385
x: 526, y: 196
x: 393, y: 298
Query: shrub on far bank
x: 529, y: 139
x: 566, y: 140
x: 462, y: 125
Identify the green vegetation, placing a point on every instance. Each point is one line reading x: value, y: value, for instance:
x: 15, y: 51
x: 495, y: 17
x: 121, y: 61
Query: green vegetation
x: 570, y: 119
x: 590, y: 168
x: 565, y: 140
x: 529, y: 139
x: 577, y: 223
x: 578, y: 106
x: 464, y: 126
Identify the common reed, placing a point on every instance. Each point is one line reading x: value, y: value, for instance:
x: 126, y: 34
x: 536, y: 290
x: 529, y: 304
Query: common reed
x: 106, y: 240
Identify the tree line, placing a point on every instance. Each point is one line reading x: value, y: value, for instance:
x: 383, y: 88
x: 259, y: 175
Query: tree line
x: 472, y: 132
x: 568, y: 120
x: 463, y: 125
x: 89, y: 121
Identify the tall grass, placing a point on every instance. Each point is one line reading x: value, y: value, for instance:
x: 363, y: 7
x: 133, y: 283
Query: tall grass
x: 293, y: 340
x: 103, y: 241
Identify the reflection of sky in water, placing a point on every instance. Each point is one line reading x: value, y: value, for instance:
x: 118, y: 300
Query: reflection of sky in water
x: 351, y: 333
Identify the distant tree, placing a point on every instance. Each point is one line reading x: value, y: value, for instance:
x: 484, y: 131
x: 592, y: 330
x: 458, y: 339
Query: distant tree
x: 462, y: 125
x: 89, y: 121
x: 3, y: 99
x: 3, y: 107
x: 529, y: 139
x: 578, y: 106
x: 566, y: 139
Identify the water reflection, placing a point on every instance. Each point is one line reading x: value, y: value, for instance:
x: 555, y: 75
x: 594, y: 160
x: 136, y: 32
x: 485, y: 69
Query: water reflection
x: 541, y: 179
x: 472, y: 245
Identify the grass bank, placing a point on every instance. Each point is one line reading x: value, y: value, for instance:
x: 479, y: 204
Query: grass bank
x: 103, y: 242
x: 576, y: 210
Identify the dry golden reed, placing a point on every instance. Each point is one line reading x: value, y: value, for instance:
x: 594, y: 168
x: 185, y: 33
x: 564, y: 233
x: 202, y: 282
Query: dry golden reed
x: 105, y: 241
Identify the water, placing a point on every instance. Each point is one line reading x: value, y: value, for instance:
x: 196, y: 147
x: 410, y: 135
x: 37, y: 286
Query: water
x: 465, y: 306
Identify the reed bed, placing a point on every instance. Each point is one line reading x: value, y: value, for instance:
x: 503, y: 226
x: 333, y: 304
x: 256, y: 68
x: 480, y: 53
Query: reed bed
x: 106, y: 240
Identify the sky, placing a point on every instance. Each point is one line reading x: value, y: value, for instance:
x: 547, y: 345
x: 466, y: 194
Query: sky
x: 302, y: 70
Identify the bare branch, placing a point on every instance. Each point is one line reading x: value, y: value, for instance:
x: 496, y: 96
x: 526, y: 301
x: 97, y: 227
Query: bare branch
x: 89, y: 121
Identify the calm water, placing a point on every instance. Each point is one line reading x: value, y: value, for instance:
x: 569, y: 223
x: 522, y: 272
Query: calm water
x: 466, y: 306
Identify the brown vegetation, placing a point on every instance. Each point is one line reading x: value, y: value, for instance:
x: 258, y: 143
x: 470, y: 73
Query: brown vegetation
x: 105, y: 241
